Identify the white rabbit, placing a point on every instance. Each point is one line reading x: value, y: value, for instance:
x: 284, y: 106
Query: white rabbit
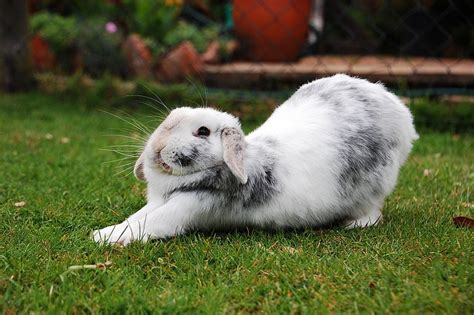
x: 328, y: 155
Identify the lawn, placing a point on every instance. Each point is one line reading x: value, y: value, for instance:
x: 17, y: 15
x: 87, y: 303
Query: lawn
x: 51, y: 159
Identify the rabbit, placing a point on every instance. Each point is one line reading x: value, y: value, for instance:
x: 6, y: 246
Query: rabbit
x: 328, y: 155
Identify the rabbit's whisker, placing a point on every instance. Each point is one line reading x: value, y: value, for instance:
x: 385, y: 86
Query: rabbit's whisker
x: 116, y: 160
x: 203, y: 99
x: 125, y: 120
x: 137, y: 124
x: 157, y: 100
x: 161, y: 113
x: 133, y: 138
x: 123, y: 153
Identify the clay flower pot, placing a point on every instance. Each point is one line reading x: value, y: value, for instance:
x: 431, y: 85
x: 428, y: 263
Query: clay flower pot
x: 181, y: 62
x: 42, y: 55
x: 271, y: 30
x: 139, y: 57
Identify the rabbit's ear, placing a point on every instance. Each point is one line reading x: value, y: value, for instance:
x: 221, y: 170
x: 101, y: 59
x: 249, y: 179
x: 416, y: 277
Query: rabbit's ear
x: 138, y: 168
x: 234, y: 145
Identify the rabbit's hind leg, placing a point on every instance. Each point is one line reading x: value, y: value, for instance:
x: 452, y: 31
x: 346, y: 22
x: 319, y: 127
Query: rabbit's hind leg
x: 369, y: 218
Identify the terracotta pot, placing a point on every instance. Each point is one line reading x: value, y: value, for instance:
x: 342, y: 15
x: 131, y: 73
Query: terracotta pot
x: 42, y: 55
x: 181, y: 62
x: 271, y: 30
x: 139, y: 57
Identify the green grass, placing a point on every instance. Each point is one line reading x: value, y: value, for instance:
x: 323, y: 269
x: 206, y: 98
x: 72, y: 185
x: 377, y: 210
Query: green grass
x: 416, y: 261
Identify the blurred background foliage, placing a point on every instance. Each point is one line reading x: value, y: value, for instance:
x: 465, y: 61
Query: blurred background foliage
x: 89, y: 35
x: 436, y: 28
x: 103, y: 50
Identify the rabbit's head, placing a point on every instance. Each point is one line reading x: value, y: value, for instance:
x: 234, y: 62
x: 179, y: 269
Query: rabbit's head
x: 191, y: 140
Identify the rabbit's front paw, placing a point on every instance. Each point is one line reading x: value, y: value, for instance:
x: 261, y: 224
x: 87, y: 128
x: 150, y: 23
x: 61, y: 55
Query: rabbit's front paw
x: 122, y: 234
x: 114, y: 234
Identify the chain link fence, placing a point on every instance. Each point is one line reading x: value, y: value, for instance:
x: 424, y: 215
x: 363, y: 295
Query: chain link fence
x: 428, y: 44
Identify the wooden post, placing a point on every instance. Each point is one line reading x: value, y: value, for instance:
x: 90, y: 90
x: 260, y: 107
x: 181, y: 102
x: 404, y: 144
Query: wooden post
x: 15, y: 58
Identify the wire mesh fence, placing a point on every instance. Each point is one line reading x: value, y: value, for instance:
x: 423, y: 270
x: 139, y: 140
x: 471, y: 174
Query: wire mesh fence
x: 414, y: 43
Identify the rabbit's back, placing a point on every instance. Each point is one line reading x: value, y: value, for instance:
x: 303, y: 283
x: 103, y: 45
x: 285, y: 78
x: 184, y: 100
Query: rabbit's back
x: 342, y: 142
x: 363, y: 113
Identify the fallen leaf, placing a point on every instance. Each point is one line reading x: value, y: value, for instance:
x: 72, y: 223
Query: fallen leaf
x: 463, y: 222
x: 20, y: 204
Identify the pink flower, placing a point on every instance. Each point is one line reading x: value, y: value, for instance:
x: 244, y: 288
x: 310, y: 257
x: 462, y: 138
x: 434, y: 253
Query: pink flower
x: 110, y: 27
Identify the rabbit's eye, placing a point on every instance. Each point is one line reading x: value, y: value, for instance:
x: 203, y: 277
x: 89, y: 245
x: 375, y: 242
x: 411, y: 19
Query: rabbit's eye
x: 203, y: 132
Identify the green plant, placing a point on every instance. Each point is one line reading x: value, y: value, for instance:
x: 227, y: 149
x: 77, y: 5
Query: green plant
x: 100, y: 51
x: 148, y: 18
x: 186, y: 31
x: 60, y: 32
x: 154, y: 46
x: 442, y: 116
x: 157, y: 22
x: 81, y: 43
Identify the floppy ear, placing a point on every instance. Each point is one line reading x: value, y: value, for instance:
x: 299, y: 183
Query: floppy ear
x: 234, y: 145
x: 138, y: 168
